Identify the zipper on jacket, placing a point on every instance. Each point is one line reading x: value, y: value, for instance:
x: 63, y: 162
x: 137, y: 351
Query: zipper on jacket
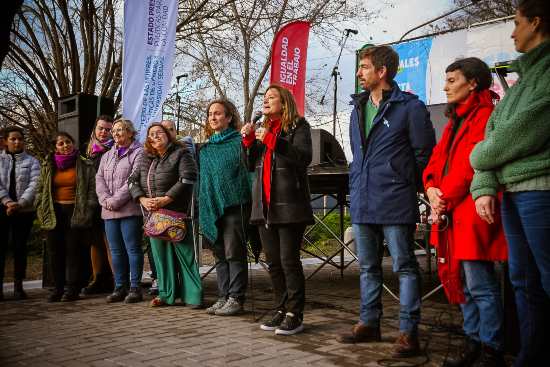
x: 75, y: 190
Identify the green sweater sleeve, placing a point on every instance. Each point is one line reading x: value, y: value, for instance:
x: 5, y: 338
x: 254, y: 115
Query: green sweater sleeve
x: 484, y: 183
x: 523, y: 134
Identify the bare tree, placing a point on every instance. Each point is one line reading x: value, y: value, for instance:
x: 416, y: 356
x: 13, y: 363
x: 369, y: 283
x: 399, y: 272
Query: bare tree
x: 59, y: 48
x: 480, y: 11
x: 6, y: 20
x: 231, y: 51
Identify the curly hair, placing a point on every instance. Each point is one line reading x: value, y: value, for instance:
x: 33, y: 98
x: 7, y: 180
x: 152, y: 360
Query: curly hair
x: 230, y: 111
x: 148, y: 147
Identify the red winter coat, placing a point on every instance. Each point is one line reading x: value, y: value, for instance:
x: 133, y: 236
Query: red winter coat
x: 467, y: 236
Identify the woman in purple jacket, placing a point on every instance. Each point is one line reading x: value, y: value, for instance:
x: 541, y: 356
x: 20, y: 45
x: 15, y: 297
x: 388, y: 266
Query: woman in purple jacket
x: 123, y: 218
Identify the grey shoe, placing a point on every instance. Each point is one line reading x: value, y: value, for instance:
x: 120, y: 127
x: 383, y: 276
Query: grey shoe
x: 216, y: 306
x: 118, y: 295
x: 134, y: 296
x: 230, y: 308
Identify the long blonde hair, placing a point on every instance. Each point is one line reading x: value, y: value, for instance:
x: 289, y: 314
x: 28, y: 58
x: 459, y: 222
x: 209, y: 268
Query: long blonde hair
x: 289, y: 110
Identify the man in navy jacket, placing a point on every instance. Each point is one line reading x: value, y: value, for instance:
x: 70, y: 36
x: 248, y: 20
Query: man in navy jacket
x: 391, y: 140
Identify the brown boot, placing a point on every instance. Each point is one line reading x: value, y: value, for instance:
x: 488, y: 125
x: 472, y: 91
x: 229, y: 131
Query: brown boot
x: 406, y: 345
x: 361, y: 333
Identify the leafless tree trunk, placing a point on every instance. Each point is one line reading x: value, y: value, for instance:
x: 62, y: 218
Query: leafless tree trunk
x: 231, y: 51
x: 59, y: 48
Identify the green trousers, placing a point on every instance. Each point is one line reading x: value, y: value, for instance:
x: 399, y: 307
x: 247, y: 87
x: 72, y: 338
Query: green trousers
x: 171, y: 260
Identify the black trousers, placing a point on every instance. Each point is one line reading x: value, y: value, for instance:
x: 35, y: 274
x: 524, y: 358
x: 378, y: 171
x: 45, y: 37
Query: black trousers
x: 15, y: 230
x: 230, y: 251
x: 64, y: 247
x: 281, y: 245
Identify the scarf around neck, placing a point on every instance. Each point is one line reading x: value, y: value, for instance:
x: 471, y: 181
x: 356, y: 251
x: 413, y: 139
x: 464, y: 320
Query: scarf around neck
x: 99, y: 147
x: 224, y: 181
x: 65, y: 161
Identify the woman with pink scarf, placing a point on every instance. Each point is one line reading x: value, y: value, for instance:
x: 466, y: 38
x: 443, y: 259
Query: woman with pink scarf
x: 65, y: 205
x: 101, y: 141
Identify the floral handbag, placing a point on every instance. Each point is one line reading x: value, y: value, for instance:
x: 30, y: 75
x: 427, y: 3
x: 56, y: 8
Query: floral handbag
x: 164, y: 224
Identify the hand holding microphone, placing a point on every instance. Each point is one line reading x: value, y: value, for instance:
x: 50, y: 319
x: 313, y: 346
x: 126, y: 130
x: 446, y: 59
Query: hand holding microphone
x: 251, y: 126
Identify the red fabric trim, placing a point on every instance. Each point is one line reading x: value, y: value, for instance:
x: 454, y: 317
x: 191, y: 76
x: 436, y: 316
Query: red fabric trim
x: 249, y: 139
x: 270, y: 141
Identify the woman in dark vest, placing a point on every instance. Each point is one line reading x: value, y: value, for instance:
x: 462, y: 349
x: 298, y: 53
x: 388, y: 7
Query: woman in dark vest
x: 280, y: 152
x: 224, y: 200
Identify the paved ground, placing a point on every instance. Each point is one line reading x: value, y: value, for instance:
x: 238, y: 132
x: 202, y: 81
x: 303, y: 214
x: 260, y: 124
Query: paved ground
x: 92, y: 333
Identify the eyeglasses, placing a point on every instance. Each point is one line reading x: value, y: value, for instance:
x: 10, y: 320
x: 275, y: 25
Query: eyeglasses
x: 155, y: 134
x: 106, y: 129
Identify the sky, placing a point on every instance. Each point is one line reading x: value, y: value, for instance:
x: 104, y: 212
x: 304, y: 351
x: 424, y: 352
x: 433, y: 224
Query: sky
x: 395, y: 19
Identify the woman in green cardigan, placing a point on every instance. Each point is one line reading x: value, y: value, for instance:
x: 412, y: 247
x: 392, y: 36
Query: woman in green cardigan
x: 224, y: 204
x: 515, y: 157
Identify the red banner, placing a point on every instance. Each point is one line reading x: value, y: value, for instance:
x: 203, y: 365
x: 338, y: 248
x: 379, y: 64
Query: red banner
x: 288, y: 60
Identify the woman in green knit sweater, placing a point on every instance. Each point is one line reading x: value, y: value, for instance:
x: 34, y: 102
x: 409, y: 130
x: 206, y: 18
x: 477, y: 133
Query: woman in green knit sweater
x: 515, y: 158
x: 224, y: 204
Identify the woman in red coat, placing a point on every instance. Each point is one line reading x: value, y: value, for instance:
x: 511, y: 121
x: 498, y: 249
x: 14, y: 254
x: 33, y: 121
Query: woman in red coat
x: 468, y: 246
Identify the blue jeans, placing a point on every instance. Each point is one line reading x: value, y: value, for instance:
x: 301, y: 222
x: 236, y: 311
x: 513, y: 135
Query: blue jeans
x: 124, y: 236
x: 526, y: 220
x: 399, y: 238
x: 482, y: 311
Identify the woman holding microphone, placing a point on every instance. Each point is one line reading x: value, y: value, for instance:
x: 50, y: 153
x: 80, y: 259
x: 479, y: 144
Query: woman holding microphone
x: 280, y: 152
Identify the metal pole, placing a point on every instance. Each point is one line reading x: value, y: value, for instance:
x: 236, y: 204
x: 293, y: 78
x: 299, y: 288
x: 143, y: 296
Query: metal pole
x: 335, y: 73
x: 178, y: 101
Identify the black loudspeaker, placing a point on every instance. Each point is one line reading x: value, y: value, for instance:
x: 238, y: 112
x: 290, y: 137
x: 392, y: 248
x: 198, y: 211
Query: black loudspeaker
x: 77, y: 114
x: 326, y: 149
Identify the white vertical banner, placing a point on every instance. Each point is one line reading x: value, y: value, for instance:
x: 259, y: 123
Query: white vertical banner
x: 149, y: 36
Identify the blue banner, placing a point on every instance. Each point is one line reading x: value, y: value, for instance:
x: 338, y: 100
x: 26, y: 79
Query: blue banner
x: 413, y: 64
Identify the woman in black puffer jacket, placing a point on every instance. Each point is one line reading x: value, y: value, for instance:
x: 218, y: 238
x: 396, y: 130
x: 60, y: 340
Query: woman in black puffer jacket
x: 280, y: 152
x: 165, y: 179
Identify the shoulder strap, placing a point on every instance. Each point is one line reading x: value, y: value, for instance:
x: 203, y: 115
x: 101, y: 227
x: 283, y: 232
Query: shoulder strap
x: 148, y: 177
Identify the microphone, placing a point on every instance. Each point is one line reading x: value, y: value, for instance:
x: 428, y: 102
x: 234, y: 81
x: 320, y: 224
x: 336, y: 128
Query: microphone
x: 257, y: 117
x: 256, y: 121
x: 348, y: 31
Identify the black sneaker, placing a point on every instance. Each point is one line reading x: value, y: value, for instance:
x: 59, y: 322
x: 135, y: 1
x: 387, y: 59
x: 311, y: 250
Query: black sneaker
x: 292, y: 324
x: 70, y: 296
x: 118, y: 295
x: 55, y: 296
x: 134, y: 296
x: 275, y: 321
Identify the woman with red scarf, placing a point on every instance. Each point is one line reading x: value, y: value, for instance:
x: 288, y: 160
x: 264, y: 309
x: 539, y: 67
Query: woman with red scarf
x: 467, y: 246
x: 280, y: 152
